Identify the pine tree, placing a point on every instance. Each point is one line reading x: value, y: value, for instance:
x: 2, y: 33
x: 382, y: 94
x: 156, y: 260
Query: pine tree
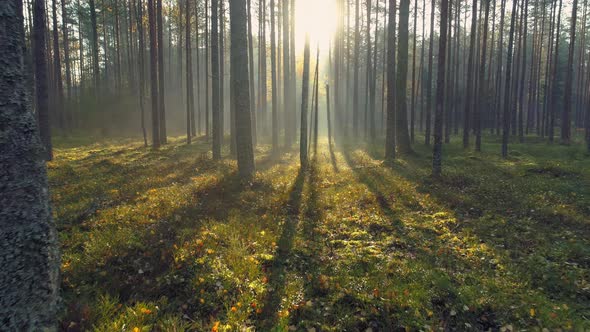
x: 239, y: 63
x: 29, y: 277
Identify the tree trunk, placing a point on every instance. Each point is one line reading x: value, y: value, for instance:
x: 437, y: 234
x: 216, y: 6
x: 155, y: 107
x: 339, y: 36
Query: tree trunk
x: 402, y: 136
x: 95, y: 68
x: 567, y: 105
x: 440, y: 91
x: 500, y: 56
x: 390, y: 129
x: 29, y: 278
x: 286, y: 75
x: 154, y: 75
x: 483, y: 84
x: 161, y: 81
x: 427, y: 134
x: 552, y: 104
x: 66, y: 42
x: 469, y: 78
x: 216, y: 111
x: 41, y: 80
x: 273, y: 64
x: 355, y: 98
x: 189, y: 73
x: 524, y: 21
x: 303, y: 158
x: 413, y: 93
x: 222, y: 69
x: 239, y: 63
x: 141, y: 60
x: 207, y: 60
x: 506, y: 115
x: 59, y: 90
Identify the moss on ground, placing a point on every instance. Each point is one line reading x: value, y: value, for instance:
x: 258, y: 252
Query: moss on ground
x: 171, y: 240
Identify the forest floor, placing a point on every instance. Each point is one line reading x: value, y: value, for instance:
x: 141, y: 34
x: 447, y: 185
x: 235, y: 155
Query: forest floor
x: 170, y: 240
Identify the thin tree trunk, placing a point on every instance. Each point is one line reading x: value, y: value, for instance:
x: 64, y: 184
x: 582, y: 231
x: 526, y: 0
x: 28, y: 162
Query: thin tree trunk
x: 161, y: 81
x: 141, y: 61
x: 470, y: 77
x: 390, y: 152
x: 217, y: 135
x: 273, y: 64
x: 303, y: 157
x: 429, y: 86
x: 440, y: 91
x: 189, y: 74
x: 483, y: 84
x: 413, y: 96
x: 59, y: 90
x: 506, y: 116
x: 154, y: 75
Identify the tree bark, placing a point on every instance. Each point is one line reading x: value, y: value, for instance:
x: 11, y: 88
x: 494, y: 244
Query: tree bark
x: 216, y: 111
x: 440, y: 91
x: 154, y: 75
x: 469, y: 78
x: 567, y: 102
x: 273, y: 64
x: 506, y: 110
x: 41, y: 80
x: 29, y: 277
x: 303, y: 158
x: 189, y: 73
x: 239, y: 63
x: 401, y: 124
x: 483, y: 84
x: 390, y: 128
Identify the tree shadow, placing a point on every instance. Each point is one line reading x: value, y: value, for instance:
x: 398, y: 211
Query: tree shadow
x: 277, y: 270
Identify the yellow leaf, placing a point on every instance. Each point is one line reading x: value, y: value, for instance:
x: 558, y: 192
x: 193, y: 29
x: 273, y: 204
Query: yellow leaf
x: 532, y: 312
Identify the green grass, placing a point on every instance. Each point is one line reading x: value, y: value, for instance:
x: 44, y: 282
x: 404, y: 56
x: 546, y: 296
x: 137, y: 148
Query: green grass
x: 170, y: 240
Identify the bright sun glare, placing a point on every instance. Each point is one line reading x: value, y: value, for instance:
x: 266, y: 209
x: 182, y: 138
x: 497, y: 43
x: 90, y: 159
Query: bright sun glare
x: 316, y: 17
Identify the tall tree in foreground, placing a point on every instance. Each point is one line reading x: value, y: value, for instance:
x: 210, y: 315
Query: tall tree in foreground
x: 567, y: 102
x: 469, y: 79
x: 29, y: 280
x: 440, y: 91
x: 304, y: 104
x: 154, y: 75
x: 401, y: 124
x: 390, y: 129
x: 240, y: 79
x: 41, y: 92
x: 506, y: 110
x: 216, y: 111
